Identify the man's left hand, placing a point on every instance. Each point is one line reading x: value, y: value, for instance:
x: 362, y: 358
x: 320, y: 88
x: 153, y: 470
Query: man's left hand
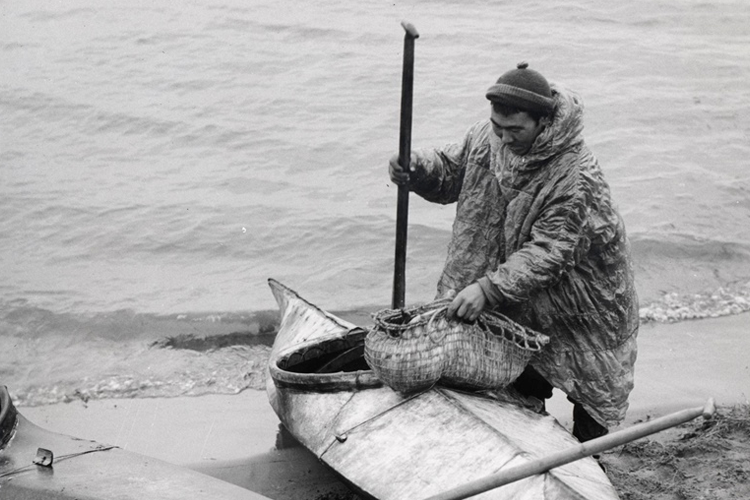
x: 468, y: 304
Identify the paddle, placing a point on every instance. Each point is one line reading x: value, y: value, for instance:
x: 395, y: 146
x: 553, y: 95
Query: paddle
x: 575, y: 453
x: 404, y: 155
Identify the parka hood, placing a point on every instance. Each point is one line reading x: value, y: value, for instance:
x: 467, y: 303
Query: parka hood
x: 563, y: 133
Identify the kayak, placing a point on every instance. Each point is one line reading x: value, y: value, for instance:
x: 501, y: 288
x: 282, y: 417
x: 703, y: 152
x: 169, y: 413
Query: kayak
x: 38, y: 464
x: 387, y: 445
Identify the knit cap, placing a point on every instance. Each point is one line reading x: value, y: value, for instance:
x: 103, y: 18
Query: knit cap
x: 523, y: 88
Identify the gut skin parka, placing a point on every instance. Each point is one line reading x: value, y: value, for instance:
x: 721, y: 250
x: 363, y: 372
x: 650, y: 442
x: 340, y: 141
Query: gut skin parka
x: 540, y: 235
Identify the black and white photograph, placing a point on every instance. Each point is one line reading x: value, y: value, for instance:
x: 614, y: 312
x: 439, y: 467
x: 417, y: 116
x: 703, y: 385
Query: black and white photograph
x: 374, y: 250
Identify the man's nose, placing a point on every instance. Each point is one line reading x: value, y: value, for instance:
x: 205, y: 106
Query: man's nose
x: 506, y: 138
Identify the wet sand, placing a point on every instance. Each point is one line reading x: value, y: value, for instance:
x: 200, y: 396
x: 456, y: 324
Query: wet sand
x: 238, y: 439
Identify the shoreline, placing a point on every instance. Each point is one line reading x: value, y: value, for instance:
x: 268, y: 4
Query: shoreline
x: 238, y: 438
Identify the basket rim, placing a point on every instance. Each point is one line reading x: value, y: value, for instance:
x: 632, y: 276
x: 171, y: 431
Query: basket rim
x: 426, y: 314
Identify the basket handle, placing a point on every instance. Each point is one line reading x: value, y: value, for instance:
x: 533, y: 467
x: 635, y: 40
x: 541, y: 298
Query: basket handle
x: 430, y: 324
x: 525, y: 338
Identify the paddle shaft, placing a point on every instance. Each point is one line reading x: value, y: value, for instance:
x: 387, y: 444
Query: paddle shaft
x: 582, y: 450
x: 404, y: 156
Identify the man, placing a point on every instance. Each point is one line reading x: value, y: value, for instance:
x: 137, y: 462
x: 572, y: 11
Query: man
x: 537, y: 237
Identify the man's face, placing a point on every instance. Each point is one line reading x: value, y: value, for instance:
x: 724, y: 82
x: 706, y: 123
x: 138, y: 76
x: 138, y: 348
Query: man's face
x: 517, y: 131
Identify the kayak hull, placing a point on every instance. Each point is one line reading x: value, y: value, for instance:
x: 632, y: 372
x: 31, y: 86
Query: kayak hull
x: 394, y: 446
x: 87, y: 470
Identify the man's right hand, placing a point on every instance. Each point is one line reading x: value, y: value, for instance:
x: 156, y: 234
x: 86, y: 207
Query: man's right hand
x: 397, y: 172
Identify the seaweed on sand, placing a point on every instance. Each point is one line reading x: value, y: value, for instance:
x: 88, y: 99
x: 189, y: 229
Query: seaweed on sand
x: 696, y: 461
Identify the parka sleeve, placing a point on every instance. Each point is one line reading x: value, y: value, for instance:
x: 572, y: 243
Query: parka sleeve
x: 555, y: 229
x: 439, y: 172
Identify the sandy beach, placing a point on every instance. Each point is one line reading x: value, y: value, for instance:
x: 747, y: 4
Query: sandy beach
x: 238, y: 438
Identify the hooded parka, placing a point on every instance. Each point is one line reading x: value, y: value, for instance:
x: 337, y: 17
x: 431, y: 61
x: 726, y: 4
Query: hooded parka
x: 540, y: 235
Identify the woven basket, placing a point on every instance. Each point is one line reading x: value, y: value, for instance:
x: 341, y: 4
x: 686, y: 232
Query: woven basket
x: 414, y: 348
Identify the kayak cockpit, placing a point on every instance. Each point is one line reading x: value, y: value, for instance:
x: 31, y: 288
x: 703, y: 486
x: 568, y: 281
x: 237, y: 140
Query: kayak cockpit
x: 327, y: 364
x: 345, y: 354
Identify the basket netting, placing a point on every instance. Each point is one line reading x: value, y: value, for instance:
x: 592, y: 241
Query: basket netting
x: 414, y: 348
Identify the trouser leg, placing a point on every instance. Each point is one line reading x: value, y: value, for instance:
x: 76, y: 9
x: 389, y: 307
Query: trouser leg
x: 531, y: 384
x: 585, y: 427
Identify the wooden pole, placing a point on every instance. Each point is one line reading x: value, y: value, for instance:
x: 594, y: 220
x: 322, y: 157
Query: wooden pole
x: 404, y: 155
x: 582, y: 450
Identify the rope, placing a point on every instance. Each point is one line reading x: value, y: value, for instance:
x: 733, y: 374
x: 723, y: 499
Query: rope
x: 57, y: 459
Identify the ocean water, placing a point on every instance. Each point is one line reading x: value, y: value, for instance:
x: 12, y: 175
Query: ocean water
x: 159, y: 161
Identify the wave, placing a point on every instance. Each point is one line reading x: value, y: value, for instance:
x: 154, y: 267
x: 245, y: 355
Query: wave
x: 686, y: 246
x: 62, y: 358
x: 673, y: 307
x: 684, y: 276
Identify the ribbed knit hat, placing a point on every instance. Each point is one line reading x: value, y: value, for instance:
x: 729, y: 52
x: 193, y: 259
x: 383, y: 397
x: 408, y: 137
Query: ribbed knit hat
x: 523, y: 88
